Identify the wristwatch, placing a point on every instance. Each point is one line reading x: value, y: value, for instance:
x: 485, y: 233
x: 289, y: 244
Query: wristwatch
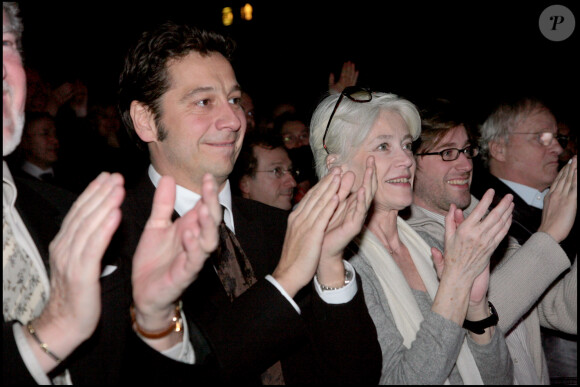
x: 478, y: 327
x: 348, y: 275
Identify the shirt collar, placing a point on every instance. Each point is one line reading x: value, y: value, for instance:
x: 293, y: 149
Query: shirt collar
x: 530, y: 195
x: 8, y: 186
x: 185, y: 199
x: 35, y: 170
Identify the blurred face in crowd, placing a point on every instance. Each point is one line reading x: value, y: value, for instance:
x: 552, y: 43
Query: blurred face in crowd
x: 265, y: 186
x: 13, y: 89
x: 524, y: 159
x: 570, y: 150
x: 295, y: 134
x: 40, y: 143
x: 439, y: 183
x: 37, y: 93
x: 390, y: 142
x: 202, y: 124
x: 248, y: 106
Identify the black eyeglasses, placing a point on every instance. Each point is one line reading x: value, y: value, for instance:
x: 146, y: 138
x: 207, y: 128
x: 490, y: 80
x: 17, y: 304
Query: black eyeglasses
x: 452, y: 154
x: 354, y: 93
x: 546, y: 138
x: 280, y: 172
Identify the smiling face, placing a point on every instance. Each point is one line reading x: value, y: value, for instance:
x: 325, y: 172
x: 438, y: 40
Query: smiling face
x: 201, y: 119
x: 439, y: 183
x: 390, y: 142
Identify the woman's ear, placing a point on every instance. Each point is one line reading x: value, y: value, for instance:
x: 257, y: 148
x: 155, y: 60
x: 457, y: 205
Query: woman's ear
x: 143, y: 122
x: 331, y: 161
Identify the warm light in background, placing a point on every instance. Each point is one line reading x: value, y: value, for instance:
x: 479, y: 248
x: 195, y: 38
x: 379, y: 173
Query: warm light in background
x: 246, y: 12
x: 227, y: 16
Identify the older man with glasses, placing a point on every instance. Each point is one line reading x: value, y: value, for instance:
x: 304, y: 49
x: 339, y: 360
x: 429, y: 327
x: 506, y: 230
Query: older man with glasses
x: 521, y: 157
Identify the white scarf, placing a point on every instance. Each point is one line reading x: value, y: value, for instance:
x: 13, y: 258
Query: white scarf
x: 401, y: 301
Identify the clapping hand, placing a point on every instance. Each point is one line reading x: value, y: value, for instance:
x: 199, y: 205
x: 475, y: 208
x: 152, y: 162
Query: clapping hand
x: 349, y: 217
x: 171, y: 254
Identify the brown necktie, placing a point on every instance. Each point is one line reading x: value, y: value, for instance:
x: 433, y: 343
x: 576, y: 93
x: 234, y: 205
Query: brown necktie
x: 232, y: 265
x: 236, y: 275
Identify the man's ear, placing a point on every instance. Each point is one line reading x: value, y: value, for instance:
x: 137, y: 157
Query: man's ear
x: 143, y: 121
x: 497, y: 150
x: 245, y: 186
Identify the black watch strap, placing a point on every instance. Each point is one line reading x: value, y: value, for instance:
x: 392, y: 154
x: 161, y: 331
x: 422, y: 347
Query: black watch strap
x: 478, y: 327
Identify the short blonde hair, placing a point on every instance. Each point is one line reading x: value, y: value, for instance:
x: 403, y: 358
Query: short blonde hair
x: 351, y: 124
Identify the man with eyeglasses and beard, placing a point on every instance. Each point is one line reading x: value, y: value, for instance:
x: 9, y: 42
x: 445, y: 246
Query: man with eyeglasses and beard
x: 520, y: 275
x: 520, y: 156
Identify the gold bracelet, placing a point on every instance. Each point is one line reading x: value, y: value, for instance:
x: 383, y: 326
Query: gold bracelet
x: 43, y: 345
x: 175, y: 326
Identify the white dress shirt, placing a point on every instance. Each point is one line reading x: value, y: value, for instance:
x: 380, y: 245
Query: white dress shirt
x: 531, y: 196
x: 35, y: 170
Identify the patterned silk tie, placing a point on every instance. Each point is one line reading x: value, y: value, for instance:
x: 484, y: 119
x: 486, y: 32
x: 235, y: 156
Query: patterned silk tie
x: 236, y: 275
x: 23, y: 295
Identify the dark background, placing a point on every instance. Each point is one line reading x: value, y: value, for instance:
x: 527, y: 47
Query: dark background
x: 476, y: 52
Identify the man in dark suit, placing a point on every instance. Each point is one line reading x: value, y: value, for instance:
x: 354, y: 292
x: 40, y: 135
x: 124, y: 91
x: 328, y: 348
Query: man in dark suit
x: 520, y: 146
x: 179, y: 99
x: 65, y: 307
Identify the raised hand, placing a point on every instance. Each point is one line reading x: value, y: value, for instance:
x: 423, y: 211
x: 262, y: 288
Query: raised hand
x: 348, y: 77
x: 560, y: 204
x: 481, y: 282
x: 170, y: 254
x: 469, y: 245
x: 349, y: 217
x: 73, y: 310
x: 305, y: 233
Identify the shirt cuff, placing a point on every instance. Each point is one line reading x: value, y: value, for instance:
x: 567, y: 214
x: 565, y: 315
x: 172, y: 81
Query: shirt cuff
x: 341, y: 295
x: 281, y: 290
x: 183, y: 351
x: 28, y: 356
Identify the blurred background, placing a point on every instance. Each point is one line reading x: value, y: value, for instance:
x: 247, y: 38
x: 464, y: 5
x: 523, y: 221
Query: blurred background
x: 473, y: 51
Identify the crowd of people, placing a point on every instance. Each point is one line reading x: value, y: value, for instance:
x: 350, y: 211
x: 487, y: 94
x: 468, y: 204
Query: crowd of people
x: 176, y: 233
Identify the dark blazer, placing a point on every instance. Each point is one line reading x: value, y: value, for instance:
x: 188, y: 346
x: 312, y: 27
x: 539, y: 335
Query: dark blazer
x: 113, y: 354
x: 324, y: 344
x: 526, y: 219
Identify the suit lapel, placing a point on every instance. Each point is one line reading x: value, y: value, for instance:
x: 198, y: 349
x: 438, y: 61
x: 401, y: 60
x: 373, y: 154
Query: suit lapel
x: 41, y: 217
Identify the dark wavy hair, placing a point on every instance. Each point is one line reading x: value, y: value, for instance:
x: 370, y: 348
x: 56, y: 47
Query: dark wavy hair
x: 438, y: 117
x: 144, y: 77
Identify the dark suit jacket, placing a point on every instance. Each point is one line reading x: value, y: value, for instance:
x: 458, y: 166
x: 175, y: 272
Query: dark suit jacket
x: 113, y: 354
x: 325, y: 344
x: 526, y: 219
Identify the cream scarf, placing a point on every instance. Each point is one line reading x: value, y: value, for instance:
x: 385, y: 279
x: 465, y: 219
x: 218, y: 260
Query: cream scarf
x: 402, y: 303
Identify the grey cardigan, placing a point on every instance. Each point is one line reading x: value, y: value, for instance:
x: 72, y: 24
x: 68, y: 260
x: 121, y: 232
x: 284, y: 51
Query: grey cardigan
x: 432, y: 356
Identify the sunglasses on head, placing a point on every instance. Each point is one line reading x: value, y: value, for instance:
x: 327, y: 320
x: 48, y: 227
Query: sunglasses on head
x: 354, y: 93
